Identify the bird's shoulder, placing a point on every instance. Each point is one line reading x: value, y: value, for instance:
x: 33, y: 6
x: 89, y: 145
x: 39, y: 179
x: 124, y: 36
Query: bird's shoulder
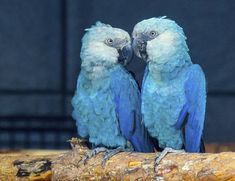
x: 195, y: 85
x: 121, y: 77
x: 195, y: 72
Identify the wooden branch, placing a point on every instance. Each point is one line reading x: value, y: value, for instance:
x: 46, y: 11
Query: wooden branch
x: 139, y: 166
x: 67, y: 166
x: 27, y: 165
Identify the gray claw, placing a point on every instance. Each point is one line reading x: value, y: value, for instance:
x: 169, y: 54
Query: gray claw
x: 111, y: 153
x: 93, y: 153
x: 161, y: 155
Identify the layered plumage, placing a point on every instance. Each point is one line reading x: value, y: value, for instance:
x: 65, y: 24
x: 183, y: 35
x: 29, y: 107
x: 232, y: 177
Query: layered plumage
x: 173, y: 88
x: 107, y: 100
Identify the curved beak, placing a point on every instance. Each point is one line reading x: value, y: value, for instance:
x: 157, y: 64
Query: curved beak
x: 125, y: 54
x: 139, y: 47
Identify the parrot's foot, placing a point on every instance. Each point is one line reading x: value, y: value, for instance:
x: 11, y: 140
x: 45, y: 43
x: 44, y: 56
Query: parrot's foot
x: 93, y: 153
x: 113, y: 152
x: 163, y: 154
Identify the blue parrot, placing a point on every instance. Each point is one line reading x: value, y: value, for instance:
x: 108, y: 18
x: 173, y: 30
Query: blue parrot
x: 173, y: 88
x: 106, y: 104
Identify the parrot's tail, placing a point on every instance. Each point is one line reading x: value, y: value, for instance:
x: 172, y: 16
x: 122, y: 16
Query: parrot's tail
x: 202, y: 147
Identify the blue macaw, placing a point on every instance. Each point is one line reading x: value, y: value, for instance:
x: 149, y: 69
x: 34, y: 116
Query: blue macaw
x: 173, y: 88
x: 107, y: 100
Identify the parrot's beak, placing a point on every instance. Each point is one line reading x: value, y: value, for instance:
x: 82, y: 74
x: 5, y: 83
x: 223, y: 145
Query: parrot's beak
x: 139, y: 47
x: 125, y: 54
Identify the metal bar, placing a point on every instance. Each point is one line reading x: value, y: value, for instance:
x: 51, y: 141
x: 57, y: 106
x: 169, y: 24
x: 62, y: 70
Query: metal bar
x: 71, y: 92
x: 34, y: 91
x: 63, y: 55
x: 22, y: 117
x: 41, y: 129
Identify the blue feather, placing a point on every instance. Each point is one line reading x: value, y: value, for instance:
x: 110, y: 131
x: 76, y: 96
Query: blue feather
x: 109, y: 114
x: 173, y: 90
x: 127, y: 98
x: 107, y: 100
x: 195, y: 90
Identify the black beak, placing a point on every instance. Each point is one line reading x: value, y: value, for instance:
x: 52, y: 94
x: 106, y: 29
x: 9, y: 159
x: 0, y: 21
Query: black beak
x: 139, y: 47
x: 125, y: 55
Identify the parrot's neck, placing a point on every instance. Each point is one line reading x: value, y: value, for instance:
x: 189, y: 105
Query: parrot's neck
x: 167, y: 71
x: 95, y: 70
x: 98, y: 76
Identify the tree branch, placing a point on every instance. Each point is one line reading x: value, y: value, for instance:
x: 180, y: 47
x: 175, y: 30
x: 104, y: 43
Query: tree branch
x: 123, y: 166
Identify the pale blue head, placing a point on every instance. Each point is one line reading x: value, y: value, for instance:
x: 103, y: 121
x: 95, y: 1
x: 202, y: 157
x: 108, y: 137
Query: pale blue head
x: 105, y: 46
x: 159, y: 40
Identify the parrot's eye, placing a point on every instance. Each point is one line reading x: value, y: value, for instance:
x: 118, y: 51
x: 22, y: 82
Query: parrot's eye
x: 153, y: 34
x: 109, y: 42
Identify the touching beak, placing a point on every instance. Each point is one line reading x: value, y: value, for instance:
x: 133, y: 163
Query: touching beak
x: 139, y: 47
x: 125, y: 55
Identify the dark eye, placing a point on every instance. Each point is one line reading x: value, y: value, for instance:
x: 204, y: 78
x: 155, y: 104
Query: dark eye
x: 153, y: 34
x: 109, y: 42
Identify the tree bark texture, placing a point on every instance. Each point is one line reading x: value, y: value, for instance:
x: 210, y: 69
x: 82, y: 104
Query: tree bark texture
x: 68, y: 166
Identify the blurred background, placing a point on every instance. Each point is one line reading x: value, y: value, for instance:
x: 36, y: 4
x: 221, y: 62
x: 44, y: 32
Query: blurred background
x: 39, y: 62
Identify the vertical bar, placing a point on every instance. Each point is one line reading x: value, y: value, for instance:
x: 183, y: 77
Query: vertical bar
x: 63, y: 64
x: 12, y: 141
x: 63, y: 55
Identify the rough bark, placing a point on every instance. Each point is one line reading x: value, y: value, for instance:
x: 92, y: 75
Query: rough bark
x: 27, y: 165
x: 140, y: 166
x: 68, y: 166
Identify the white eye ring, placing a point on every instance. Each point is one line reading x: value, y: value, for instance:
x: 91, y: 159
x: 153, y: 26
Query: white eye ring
x: 153, y: 34
x: 109, y: 41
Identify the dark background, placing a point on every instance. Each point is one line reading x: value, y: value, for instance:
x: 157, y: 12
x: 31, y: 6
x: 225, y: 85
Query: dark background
x: 39, y: 61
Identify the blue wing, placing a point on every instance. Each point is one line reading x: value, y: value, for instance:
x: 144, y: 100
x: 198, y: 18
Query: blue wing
x: 193, y: 113
x: 127, y: 99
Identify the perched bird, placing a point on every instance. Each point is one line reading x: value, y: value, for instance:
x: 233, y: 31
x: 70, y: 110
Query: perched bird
x: 107, y: 100
x: 173, y: 88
